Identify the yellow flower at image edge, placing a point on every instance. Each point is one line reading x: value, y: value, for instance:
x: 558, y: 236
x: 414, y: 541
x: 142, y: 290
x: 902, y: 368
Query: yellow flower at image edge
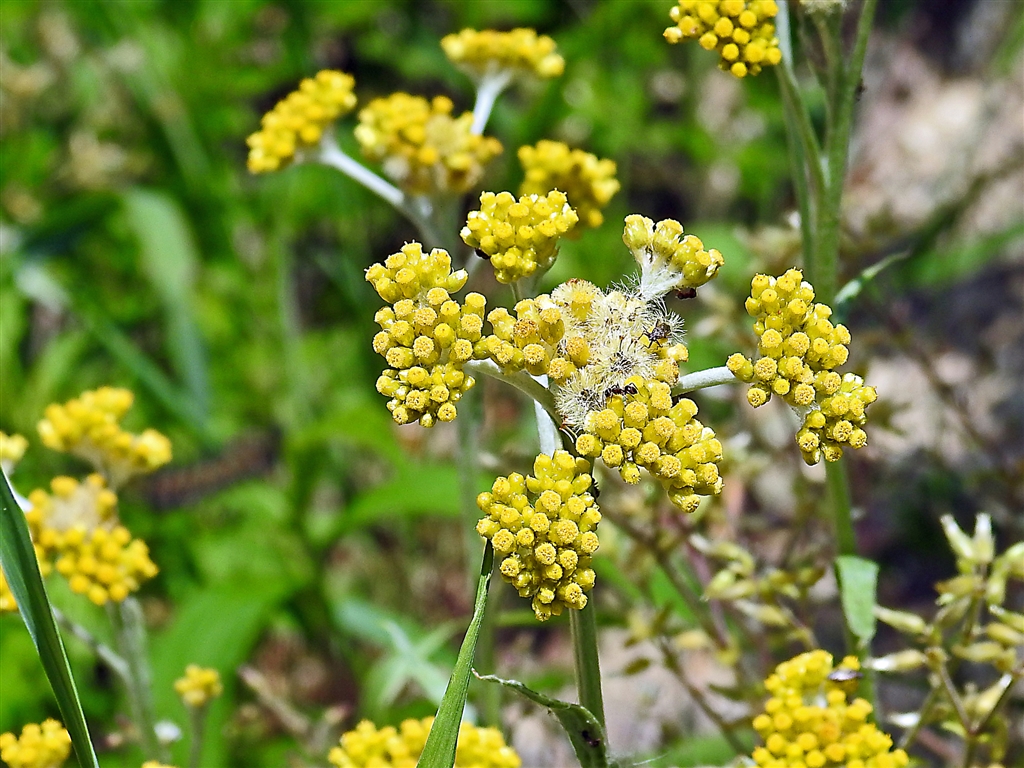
x: 740, y: 30
x: 12, y: 448
x: 199, y: 686
x: 809, y: 720
x: 544, y: 529
x: 426, y: 337
x: 421, y: 146
x: 39, y: 746
x: 367, y: 746
x: 298, y: 121
x: 521, y: 51
x: 518, y: 237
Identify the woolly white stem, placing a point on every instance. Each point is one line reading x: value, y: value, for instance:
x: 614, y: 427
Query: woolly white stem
x: 488, y: 89
x: 711, y: 377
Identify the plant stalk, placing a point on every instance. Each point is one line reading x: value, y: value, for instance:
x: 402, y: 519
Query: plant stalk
x: 586, y: 662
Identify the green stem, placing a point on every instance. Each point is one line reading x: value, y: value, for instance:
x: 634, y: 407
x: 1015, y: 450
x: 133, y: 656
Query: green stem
x: 842, y: 508
x: 826, y: 257
x: 486, y: 656
x: 197, y: 724
x: 585, y: 658
x: 130, y: 631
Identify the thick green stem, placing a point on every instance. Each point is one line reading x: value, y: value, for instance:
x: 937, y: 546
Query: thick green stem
x: 588, y: 667
x: 842, y: 508
x: 130, y: 630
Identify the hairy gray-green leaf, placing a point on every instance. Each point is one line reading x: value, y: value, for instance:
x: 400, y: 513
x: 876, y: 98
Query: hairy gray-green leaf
x: 857, y: 582
x: 582, y: 728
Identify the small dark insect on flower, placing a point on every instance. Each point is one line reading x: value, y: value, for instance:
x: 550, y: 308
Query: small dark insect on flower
x: 844, y: 675
x: 659, y: 333
x: 686, y: 293
x: 616, y: 389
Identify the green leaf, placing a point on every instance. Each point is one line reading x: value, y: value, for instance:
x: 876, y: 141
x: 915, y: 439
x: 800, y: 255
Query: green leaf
x: 439, y: 751
x: 858, y: 579
x: 169, y: 258
x: 18, y: 558
x: 583, y: 729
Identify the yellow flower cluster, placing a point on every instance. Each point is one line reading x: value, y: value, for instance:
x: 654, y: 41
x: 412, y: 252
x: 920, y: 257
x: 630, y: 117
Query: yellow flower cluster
x: 544, y: 527
x: 199, y: 686
x: 88, y: 426
x: 799, y: 348
x: 370, y: 747
x: 518, y: 237
x: 299, y: 120
x: 12, y: 448
x: 426, y: 336
x: 588, y: 182
x: 740, y: 30
x: 809, y: 722
x: 421, y: 146
x: 642, y: 427
x: 156, y: 764
x: 521, y: 51
x: 39, y: 746
x: 77, y: 527
x: 669, y: 261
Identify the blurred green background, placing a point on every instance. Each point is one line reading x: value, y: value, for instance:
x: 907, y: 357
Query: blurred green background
x: 297, y: 531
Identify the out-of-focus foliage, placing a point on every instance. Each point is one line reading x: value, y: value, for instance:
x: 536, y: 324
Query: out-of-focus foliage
x: 293, y: 531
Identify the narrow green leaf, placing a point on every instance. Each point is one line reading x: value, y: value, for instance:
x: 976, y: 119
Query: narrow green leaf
x: 169, y: 258
x: 858, y: 579
x: 18, y: 558
x: 583, y: 729
x: 439, y: 751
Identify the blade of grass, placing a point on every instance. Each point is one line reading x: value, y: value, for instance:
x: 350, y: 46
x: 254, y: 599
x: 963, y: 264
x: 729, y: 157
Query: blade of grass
x: 18, y: 558
x: 439, y: 751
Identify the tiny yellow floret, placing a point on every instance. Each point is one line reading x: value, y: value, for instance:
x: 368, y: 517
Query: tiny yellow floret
x: 199, y: 686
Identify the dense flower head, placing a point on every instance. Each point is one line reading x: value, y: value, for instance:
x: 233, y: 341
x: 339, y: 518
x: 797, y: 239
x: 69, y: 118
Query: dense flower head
x: 588, y: 181
x: 12, y: 448
x: 199, y: 685
x: 426, y: 336
x: 368, y: 746
x: 521, y: 51
x: 544, y: 529
x: 799, y: 349
x: 76, y: 526
x: 642, y: 425
x: 421, y: 146
x: 88, y: 426
x: 519, y: 237
x: 39, y: 746
x: 668, y: 260
x: 809, y: 719
x: 298, y: 121
x: 740, y: 30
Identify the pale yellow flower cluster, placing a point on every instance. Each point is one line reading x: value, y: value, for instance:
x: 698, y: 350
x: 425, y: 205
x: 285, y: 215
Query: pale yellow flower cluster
x: 520, y: 237
x: 544, y: 529
x: 809, y: 720
x: 800, y: 348
x: 588, y: 181
x: 39, y: 746
x: 88, y: 426
x: 426, y: 337
x: 299, y: 120
x: 199, y: 686
x: 521, y: 51
x: 368, y: 746
x: 421, y: 146
x: 740, y: 30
